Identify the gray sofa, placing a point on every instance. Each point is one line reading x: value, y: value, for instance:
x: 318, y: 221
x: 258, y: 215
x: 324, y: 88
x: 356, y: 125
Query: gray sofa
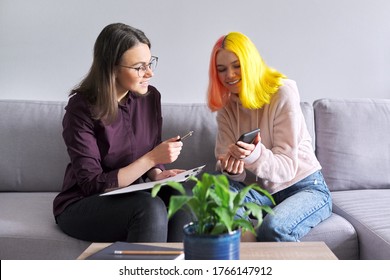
x: 351, y: 139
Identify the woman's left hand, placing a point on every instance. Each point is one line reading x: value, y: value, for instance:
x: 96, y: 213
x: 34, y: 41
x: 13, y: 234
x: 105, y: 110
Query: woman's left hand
x: 166, y: 174
x: 232, y: 165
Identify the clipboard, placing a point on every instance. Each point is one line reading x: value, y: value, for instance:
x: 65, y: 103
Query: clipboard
x: 181, y: 177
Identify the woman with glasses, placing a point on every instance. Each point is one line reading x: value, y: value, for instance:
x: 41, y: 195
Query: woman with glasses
x: 249, y: 95
x: 112, y: 131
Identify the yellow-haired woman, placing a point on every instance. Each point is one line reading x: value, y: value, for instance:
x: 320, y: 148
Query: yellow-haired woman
x: 248, y: 94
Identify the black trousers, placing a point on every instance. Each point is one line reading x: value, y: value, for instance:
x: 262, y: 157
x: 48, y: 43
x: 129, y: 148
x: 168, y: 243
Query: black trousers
x: 177, y: 221
x: 131, y: 217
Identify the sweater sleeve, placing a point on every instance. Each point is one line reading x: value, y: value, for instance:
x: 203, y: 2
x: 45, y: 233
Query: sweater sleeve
x: 279, y: 162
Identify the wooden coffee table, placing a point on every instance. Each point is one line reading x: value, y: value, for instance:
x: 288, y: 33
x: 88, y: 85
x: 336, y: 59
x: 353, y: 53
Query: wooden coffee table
x: 255, y: 250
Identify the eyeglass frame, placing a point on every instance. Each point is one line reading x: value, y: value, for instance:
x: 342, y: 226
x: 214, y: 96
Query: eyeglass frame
x: 144, y: 67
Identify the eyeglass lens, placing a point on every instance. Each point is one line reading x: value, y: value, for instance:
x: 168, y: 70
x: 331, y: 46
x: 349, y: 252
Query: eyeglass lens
x: 152, y: 66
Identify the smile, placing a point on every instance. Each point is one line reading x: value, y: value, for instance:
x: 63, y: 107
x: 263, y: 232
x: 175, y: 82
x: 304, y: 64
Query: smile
x: 233, y: 82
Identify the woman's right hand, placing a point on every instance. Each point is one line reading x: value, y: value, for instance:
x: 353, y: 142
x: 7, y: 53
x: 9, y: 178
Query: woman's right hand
x: 167, y: 152
x: 231, y: 165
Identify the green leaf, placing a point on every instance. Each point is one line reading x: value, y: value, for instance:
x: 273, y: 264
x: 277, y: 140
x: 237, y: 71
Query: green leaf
x: 214, y: 205
x: 221, y: 180
x: 215, y: 197
x: 218, y: 229
x: 177, y: 202
x: 156, y: 189
x: 245, y: 225
x: 196, y: 207
x: 256, y: 211
x: 239, y: 199
x: 175, y: 185
x: 201, y: 189
x: 264, y: 192
x: 225, y: 217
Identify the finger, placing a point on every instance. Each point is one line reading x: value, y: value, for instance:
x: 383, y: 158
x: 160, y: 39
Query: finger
x: 174, y: 172
x: 241, y: 167
x: 225, y: 160
x: 178, y: 171
x: 240, y: 144
x: 175, y: 147
x: 236, y: 166
x: 230, y: 165
x: 240, y: 153
x: 257, y: 139
x: 168, y: 173
x: 173, y: 139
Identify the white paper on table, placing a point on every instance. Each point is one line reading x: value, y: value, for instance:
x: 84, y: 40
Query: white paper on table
x: 181, y: 177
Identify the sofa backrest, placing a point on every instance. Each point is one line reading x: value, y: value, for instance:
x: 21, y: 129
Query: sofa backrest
x: 178, y: 119
x: 33, y: 154
x: 34, y: 157
x: 353, y: 142
x: 308, y: 114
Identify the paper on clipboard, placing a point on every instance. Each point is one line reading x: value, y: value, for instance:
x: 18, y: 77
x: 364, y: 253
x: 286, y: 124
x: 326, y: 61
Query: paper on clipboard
x: 181, y: 177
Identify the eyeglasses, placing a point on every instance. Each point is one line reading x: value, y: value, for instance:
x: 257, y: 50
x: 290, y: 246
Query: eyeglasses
x: 143, y: 68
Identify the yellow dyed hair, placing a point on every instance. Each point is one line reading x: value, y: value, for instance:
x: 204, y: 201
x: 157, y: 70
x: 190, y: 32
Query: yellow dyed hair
x: 258, y: 81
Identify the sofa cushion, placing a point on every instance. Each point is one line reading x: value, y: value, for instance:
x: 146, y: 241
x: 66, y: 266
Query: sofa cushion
x: 28, y: 230
x: 352, y: 142
x: 338, y: 234
x: 368, y: 211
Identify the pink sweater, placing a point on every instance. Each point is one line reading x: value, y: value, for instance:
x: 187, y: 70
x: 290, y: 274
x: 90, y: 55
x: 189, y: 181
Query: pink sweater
x: 285, y: 154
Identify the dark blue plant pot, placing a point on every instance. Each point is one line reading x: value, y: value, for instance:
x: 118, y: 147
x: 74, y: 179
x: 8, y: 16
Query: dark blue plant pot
x: 211, y: 247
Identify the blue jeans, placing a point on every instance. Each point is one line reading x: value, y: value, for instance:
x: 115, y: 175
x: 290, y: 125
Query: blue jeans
x: 298, y: 208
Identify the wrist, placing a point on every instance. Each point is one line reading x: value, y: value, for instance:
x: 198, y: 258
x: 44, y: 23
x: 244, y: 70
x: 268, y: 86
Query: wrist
x: 229, y: 173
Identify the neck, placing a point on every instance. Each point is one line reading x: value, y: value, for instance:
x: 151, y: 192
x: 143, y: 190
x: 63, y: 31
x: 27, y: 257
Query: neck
x: 120, y: 96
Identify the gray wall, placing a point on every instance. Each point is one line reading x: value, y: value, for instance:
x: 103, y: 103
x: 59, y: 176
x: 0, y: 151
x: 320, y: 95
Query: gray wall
x: 333, y: 48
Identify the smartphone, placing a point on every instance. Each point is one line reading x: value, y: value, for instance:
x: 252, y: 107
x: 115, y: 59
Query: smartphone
x: 249, y: 137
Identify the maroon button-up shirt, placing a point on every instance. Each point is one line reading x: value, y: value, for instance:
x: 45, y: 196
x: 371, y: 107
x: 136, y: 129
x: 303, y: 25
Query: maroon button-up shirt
x: 97, y: 151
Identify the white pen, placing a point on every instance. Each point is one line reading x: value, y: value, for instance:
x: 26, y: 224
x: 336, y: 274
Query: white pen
x: 142, y: 252
x: 186, y: 136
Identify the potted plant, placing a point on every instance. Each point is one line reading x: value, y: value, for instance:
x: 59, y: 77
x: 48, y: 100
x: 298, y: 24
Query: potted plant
x: 214, y: 206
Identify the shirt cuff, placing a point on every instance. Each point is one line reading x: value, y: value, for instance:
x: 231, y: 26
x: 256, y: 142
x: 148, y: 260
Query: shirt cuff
x: 234, y: 177
x: 112, y: 179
